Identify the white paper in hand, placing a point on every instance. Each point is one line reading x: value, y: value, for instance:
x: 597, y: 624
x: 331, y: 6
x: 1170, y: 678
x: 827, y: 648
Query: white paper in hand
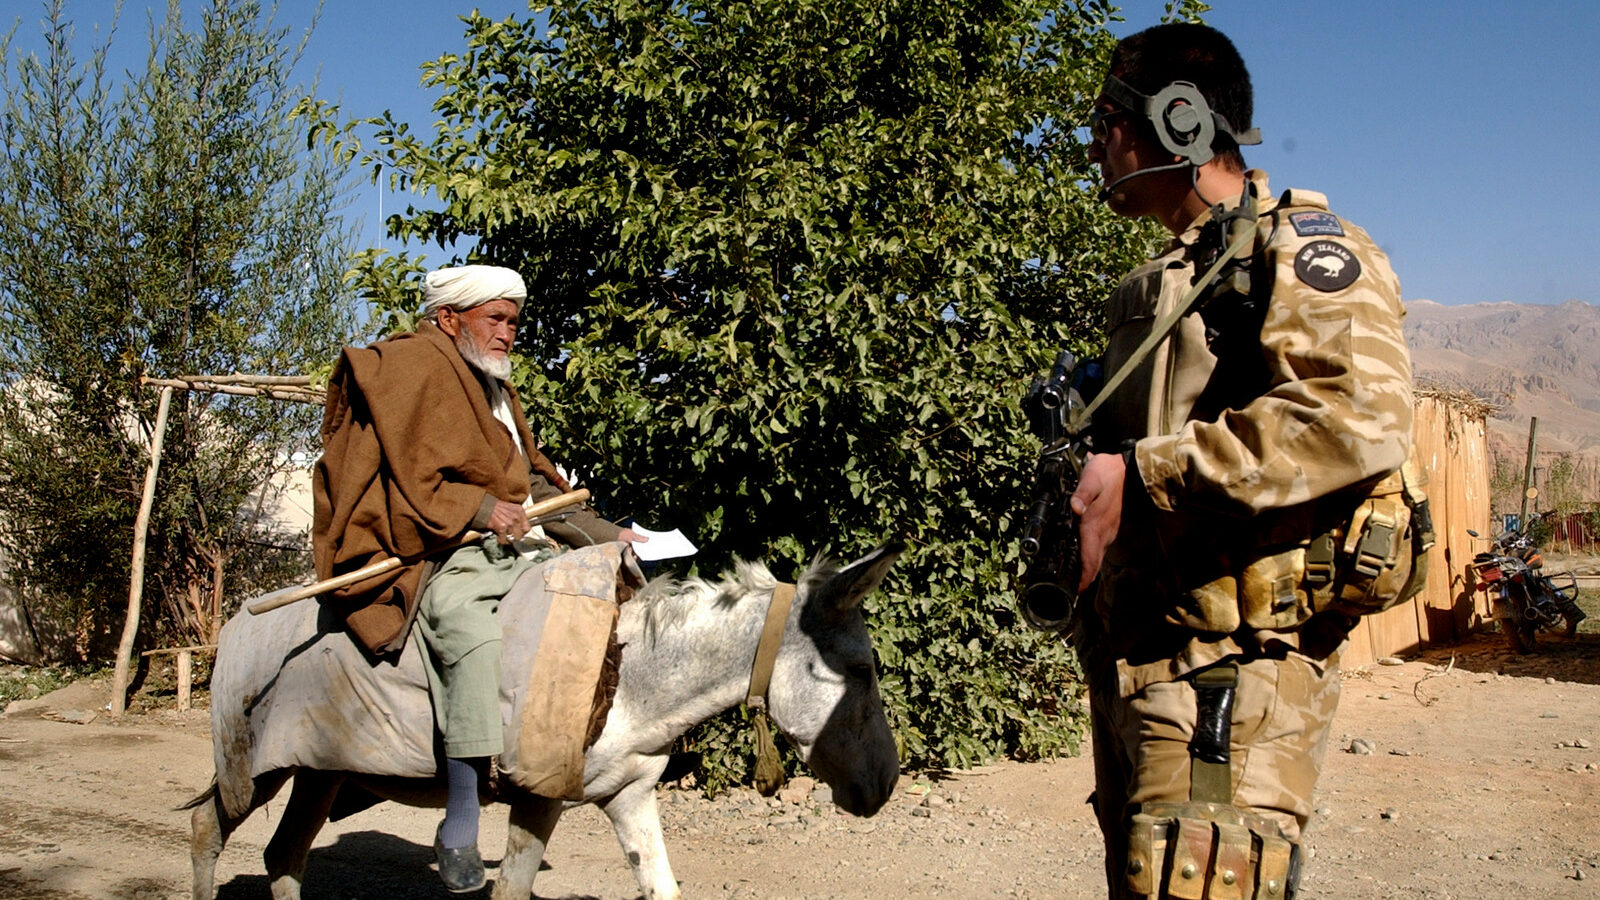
x: 661, y: 544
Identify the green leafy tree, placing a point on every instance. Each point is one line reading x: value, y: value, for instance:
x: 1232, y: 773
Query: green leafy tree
x: 1563, y: 490
x: 792, y: 265
x: 1562, y: 494
x: 169, y: 222
x: 1505, y: 486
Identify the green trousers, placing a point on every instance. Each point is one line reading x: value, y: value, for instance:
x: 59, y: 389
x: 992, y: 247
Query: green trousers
x: 458, y: 623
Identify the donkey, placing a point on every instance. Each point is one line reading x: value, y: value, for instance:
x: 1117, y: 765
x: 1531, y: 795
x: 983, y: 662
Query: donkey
x: 688, y: 648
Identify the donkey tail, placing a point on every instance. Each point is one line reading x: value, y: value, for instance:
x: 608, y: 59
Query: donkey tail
x: 205, y: 796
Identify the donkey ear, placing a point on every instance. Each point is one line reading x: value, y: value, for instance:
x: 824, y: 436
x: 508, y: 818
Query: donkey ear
x: 845, y: 589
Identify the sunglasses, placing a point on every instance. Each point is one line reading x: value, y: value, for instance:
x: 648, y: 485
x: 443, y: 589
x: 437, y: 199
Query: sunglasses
x: 1100, y: 123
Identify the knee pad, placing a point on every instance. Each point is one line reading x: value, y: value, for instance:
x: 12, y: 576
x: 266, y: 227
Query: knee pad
x: 1199, y: 850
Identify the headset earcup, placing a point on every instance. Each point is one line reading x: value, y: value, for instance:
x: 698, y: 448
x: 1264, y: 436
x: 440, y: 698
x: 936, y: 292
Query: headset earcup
x: 1183, y: 122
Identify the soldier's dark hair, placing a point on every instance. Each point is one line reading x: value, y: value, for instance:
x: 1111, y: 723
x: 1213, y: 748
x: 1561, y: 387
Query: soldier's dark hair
x: 1201, y: 55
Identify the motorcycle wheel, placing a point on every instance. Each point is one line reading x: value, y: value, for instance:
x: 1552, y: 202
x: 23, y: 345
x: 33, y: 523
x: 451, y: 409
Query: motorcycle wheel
x: 1521, y: 633
x: 1521, y: 636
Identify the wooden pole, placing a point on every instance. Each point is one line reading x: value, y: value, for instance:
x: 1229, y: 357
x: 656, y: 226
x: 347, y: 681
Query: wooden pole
x: 141, y: 527
x: 184, y: 663
x: 185, y: 679
x: 1527, y: 475
x: 234, y: 378
x: 214, y: 621
x: 295, y: 392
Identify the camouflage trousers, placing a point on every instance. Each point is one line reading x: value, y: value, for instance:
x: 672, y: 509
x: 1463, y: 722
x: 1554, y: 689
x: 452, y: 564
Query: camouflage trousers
x: 1282, y: 709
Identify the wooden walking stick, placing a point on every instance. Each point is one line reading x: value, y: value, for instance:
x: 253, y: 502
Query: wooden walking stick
x: 286, y: 596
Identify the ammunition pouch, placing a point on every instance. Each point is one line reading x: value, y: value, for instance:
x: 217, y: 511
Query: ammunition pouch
x: 1372, y: 557
x: 1383, y: 558
x: 1198, y: 850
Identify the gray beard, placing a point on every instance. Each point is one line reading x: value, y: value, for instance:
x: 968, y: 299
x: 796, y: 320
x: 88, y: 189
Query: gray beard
x: 497, y: 368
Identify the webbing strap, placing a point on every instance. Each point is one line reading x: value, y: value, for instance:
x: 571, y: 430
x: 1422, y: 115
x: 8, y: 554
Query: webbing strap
x: 1210, y: 778
x: 1209, y: 782
x: 767, y: 648
x: 1167, y: 323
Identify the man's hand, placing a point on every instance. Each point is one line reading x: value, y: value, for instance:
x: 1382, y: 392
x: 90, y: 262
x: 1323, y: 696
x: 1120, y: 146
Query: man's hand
x: 508, y: 521
x: 1098, y: 505
x: 631, y: 536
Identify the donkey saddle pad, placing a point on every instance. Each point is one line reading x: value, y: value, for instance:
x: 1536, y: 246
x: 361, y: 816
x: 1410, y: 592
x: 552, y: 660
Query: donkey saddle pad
x: 307, y: 695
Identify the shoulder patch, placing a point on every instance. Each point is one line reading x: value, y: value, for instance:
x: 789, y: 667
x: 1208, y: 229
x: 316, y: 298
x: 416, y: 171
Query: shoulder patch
x: 1315, y: 223
x: 1327, y: 266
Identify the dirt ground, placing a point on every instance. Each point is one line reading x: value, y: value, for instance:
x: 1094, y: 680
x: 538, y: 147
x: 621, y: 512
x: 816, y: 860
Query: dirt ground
x: 1460, y: 772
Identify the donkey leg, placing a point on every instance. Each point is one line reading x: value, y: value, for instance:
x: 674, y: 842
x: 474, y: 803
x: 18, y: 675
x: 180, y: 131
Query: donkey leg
x: 211, y: 826
x: 637, y: 823
x: 207, y: 835
x: 303, y: 816
x: 532, y: 820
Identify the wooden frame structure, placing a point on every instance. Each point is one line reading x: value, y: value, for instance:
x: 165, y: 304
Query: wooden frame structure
x: 295, y: 388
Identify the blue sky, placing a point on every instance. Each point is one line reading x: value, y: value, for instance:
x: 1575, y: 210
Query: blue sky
x: 1460, y: 135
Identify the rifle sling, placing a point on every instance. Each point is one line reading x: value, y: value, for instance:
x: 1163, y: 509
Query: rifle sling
x: 1168, y: 323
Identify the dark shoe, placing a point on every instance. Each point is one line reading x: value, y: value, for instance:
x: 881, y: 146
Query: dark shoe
x: 461, y: 870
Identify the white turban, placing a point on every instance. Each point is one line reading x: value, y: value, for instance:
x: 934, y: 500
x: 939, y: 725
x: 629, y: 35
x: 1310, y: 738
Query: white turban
x: 464, y: 287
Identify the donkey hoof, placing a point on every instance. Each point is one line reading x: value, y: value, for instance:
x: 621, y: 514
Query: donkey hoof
x: 460, y: 869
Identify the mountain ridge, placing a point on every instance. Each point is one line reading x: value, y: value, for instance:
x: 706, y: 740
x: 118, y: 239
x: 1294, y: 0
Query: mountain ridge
x: 1528, y: 360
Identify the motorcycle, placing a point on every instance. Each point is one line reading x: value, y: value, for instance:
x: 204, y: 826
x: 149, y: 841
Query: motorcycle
x: 1527, y: 599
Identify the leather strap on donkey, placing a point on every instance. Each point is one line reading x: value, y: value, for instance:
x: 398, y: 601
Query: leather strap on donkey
x: 768, y: 769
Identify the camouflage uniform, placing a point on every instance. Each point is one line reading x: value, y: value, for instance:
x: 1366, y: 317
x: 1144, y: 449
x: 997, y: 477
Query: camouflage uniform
x: 1281, y: 395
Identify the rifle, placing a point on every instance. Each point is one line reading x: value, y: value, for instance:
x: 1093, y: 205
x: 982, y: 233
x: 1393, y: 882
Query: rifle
x: 1050, y: 548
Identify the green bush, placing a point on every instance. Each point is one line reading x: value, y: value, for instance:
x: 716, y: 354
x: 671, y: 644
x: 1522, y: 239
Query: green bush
x: 792, y: 264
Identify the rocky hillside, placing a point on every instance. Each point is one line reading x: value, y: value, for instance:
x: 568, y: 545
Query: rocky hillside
x: 1531, y: 360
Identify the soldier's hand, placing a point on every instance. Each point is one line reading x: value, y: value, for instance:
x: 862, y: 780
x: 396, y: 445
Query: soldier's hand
x: 508, y: 521
x: 1098, y: 505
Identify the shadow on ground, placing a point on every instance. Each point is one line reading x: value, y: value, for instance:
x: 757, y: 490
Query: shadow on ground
x: 1575, y: 659
x: 361, y: 864
x: 368, y: 865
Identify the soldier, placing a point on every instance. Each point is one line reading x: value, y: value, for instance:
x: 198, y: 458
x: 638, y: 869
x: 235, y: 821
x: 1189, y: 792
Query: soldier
x: 1269, y: 410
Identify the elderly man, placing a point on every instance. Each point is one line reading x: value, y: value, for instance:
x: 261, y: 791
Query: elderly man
x: 424, y: 440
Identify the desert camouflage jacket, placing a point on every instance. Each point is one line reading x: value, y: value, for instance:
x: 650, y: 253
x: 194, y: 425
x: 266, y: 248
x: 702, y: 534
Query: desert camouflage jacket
x: 1289, y: 386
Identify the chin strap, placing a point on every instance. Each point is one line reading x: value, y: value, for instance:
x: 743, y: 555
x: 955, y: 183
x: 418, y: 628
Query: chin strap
x: 1106, y: 192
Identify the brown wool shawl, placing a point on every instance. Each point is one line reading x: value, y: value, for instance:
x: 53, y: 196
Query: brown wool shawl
x: 412, y: 457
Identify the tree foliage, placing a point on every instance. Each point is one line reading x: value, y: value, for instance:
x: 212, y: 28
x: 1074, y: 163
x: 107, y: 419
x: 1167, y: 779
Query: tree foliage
x: 1562, y: 494
x: 1563, y: 487
x: 792, y: 264
x: 1505, y: 485
x: 165, y: 222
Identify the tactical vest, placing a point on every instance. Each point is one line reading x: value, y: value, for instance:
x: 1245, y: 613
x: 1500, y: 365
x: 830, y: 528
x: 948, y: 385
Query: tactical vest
x: 1358, y: 551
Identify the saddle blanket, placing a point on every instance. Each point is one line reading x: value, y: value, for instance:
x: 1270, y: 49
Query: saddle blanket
x: 293, y: 685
